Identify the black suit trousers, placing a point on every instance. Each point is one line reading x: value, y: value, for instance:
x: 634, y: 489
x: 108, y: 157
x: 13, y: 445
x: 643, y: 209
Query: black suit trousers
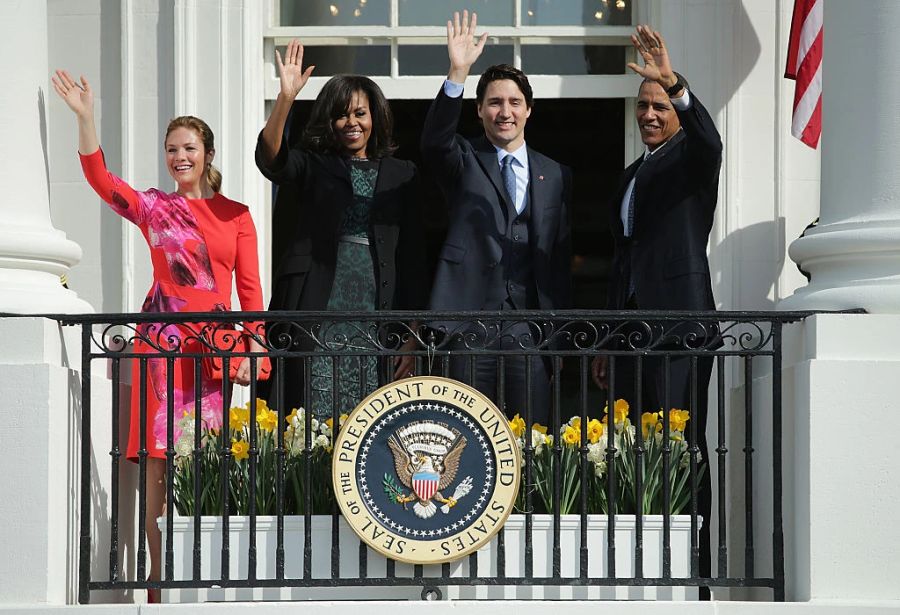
x: 483, y: 371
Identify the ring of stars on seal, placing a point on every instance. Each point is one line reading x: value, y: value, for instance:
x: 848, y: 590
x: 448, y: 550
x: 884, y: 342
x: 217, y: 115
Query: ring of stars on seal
x: 478, y: 503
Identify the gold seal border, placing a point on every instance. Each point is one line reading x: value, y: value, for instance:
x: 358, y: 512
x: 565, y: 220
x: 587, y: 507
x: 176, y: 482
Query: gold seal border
x: 507, y: 461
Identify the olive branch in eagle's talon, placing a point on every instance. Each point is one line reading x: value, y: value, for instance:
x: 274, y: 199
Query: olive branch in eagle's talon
x: 394, y: 493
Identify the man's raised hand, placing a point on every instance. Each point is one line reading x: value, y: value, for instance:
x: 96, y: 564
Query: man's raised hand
x: 652, y: 48
x: 462, y: 47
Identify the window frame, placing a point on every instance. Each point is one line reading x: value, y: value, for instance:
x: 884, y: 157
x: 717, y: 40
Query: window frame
x: 422, y: 87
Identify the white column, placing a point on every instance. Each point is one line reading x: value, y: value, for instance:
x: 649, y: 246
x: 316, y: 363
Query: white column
x: 33, y: 254
x: 854, y: 254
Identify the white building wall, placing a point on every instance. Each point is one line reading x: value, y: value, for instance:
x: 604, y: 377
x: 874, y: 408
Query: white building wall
x: 148, y: 61
x: 733, y: 53
x: 74, y: 206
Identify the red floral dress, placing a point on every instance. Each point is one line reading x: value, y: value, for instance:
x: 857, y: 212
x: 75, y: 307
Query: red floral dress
x: 195, y: 246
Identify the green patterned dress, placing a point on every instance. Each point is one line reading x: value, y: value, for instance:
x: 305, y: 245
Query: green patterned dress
x: 354, y: 289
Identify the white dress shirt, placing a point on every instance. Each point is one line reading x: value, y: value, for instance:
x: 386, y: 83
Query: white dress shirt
x: 520, y: 156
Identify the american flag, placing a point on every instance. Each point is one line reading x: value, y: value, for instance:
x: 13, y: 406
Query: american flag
x: 804, y: 65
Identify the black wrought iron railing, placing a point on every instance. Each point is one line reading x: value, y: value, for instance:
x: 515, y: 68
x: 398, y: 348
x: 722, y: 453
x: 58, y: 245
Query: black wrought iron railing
x: 264, y: 464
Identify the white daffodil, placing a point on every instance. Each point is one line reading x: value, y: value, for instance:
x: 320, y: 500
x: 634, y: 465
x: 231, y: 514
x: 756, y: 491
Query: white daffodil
x: 294, y: 438
x: 537, y: 440
x: 185, y: 446
x: 685, y: 460
x: 596, y: 453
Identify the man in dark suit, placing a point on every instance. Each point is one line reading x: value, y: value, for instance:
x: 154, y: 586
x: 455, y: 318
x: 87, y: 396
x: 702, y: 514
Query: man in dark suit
x: 507, y: 245
x: 661, y: 218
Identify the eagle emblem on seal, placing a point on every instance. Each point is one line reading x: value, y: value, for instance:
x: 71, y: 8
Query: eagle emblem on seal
x: 426, y: 459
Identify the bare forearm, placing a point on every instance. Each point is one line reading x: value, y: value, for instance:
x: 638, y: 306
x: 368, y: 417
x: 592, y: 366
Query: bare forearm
x: 458, y: 74
x: 273, y: 131
x: 88, y: 143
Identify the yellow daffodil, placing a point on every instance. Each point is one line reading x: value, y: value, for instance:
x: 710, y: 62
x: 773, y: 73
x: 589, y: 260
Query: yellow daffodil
x: 238, y: 418
x: 539, y: 428
x: 289, y: 419
x: 575, y: 423
x: 330, y: 421
x: 266, y: 419
x: 650, y: 422
x: 594, y: 431
x: 678, y: 419
x: 571, y: 436
x: 240, y: 449
x: 620, y: 411
x: 260, y: 405
x: 517, y: 424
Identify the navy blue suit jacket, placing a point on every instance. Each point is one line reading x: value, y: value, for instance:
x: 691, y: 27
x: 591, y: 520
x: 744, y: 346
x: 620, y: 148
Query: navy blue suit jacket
x: 674, y: 203
x: 470, y: 269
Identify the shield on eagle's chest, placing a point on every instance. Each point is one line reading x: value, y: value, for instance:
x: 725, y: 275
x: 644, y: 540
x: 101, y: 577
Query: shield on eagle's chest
x: 425, y: 484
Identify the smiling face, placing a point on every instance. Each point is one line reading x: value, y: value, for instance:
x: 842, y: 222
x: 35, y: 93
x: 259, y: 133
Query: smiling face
x: 187, y: 159
x: 504, y: 112
x: 354, y: 127
x: 656, y: 117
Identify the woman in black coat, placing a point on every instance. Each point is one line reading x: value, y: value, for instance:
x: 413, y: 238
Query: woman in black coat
x: 358, y: 242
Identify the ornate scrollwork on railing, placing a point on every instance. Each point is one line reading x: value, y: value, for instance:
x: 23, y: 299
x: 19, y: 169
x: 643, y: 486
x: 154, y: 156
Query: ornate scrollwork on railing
x: 170, y: 337
x: 355, y: 333
x: 750, y: 336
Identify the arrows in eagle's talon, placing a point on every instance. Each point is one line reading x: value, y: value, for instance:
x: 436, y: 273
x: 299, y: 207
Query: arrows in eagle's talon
x: 448, y: 504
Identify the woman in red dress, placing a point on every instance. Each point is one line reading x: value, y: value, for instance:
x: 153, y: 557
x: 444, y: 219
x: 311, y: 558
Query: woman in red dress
x: 197, y: 239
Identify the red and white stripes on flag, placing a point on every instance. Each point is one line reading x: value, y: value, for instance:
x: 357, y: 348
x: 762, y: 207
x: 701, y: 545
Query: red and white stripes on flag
x: 425, y: 484
x: 804, y: 65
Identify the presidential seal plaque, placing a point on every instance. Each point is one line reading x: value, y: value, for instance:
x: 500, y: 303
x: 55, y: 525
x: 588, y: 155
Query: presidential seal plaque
x: 426, y: 470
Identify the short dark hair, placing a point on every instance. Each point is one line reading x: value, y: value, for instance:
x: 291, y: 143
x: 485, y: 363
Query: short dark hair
x: 333, y: 102
x: 504, y: 71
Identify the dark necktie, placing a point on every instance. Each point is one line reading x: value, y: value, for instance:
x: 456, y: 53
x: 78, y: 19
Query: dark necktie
x: 629, y: 227
x: 509, y: 177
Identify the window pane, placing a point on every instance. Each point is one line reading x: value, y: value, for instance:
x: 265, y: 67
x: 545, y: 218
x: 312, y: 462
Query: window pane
x: 371, y: 60
x: 576, y: 12
x: 573, y: 60
x: 437, y: 12
x: 335, y: 12
x: 432, y: 59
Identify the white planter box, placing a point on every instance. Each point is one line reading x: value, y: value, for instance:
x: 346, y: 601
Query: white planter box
x: 542, y: 541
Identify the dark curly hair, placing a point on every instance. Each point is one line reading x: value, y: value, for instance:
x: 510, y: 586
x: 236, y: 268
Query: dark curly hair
x: 333, y: 102
x: 504, y: 71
